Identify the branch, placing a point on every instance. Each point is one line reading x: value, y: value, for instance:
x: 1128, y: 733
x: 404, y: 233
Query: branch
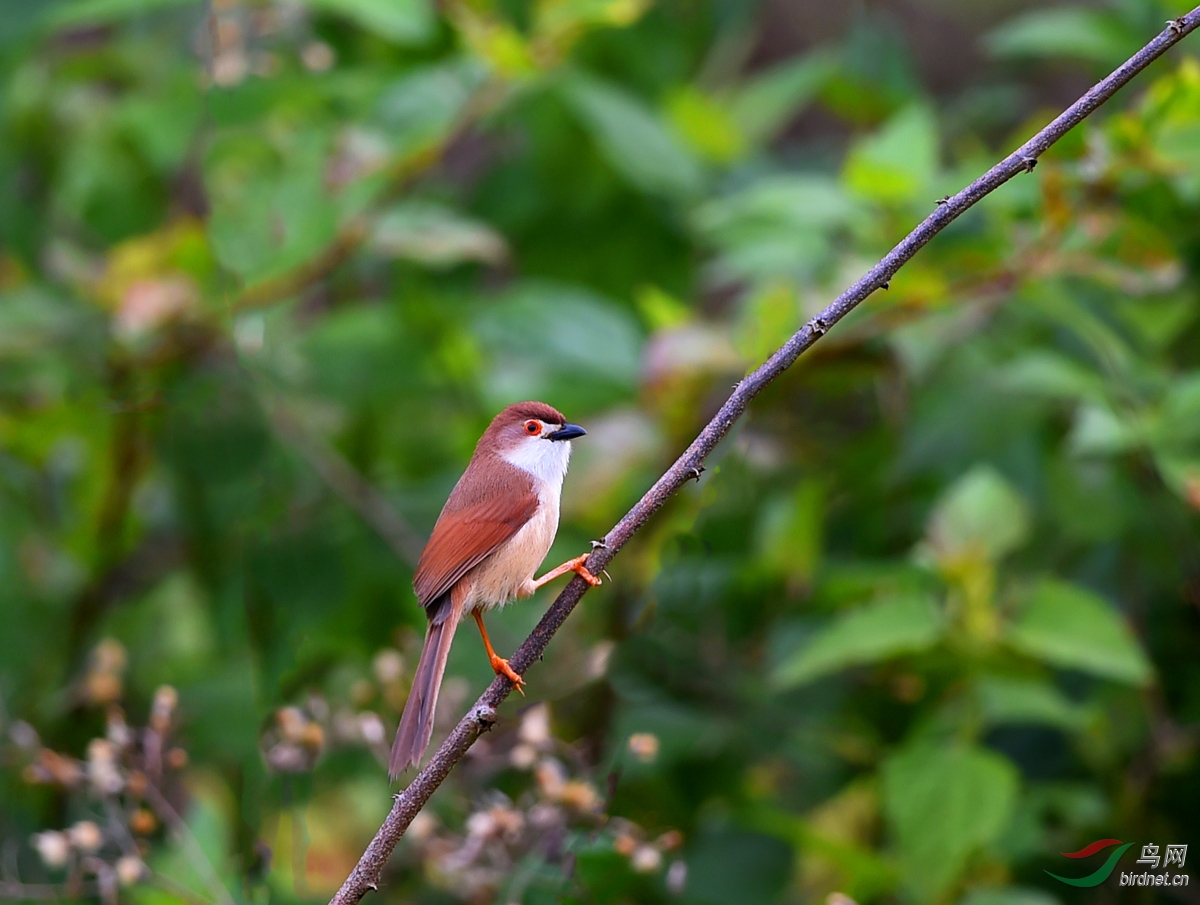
x: 47, y: 892
x: 369, y: 870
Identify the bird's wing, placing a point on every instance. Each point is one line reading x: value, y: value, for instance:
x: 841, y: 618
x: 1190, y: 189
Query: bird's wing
x: 485, y: 510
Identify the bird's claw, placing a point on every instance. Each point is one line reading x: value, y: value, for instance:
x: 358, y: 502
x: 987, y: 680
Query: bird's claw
x: 501, y: 668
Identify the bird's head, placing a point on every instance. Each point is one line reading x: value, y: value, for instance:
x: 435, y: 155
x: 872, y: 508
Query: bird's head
x: 534, y: 437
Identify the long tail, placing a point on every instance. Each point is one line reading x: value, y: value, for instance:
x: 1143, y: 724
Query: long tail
x: 416, y: 724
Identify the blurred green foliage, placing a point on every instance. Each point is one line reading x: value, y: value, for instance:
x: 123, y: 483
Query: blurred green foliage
x: 267, y: 269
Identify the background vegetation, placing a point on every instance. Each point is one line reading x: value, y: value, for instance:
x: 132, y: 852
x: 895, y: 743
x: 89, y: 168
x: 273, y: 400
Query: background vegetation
x: 268, y: 268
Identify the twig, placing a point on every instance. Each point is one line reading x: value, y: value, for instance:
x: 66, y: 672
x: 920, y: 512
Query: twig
x: 46, y: 892
x: 367, y: 873
x: 354, y: 490
x: 178, y: 829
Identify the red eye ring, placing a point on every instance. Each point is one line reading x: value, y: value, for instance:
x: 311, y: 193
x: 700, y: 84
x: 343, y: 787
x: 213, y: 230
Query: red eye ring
x: 533, y: 428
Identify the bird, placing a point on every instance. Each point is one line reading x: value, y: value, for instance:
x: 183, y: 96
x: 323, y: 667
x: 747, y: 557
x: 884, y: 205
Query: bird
x: 492, y: 535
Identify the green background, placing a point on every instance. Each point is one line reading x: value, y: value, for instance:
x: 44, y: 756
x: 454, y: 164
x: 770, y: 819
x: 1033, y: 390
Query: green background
x: 930, y: 618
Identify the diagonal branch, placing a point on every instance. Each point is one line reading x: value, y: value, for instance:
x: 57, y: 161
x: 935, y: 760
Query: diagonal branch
x: 369, y: 870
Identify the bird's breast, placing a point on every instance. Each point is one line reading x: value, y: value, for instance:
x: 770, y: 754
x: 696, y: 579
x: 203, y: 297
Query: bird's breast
x: 497, y: 579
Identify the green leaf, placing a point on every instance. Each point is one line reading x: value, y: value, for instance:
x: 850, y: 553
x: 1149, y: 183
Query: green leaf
x: 632, y: 137
x: 1050, y: 375
x: 899, y: 162
x: 1181, y: 473
x: 779, y: 225
x: 705, y: 125
x: 1007, y: 895
x: 790, y: 532
x: 565, y: 17
x: 764, y: 105
x: 587, y: 346
x: 436, y: 236
x: 421, y: 106
x: 1069, y: 31
x: 878, y: 631
x: 1098, y: 430
x: 399, y: 21
x: 777, y: 203
x: 1180, y: 419
x: 1066, y: 626
x: 1007, y: 700
x: 103, y: 12
x: 943, y: 804
x: 980, y: 513
x: 270, y: 211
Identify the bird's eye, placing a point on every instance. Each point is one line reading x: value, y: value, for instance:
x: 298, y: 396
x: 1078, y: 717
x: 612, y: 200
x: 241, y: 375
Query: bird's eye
x: 532, y: 428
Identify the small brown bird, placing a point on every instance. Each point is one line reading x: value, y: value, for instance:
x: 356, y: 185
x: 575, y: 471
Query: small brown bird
x: 494, y: 531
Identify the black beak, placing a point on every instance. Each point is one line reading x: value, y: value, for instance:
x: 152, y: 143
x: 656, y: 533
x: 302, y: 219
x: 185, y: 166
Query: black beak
x: 567, y: 432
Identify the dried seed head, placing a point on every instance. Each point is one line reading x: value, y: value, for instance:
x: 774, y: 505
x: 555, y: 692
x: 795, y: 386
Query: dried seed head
x: 143, y: 822
x: 102, y: 769
x: 86, y: 836
x: 130, y: 870
x: 625, y: 844
x: 535, y: 725
x: 388, y: 666
x: 166, y: 699
x: 52, y: 847
x: 644, y: 746
x: 646, y: 859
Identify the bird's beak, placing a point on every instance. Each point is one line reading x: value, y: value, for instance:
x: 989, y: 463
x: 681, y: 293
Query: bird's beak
x: 567, y: 432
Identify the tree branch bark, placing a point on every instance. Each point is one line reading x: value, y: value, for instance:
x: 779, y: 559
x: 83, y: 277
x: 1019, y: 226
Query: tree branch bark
x: 366, y: 875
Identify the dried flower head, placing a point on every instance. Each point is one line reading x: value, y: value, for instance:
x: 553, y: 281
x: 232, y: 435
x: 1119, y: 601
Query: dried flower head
x: 52, y: 847
x: 644, y: 746
x: 166, y: 699
x: 86, y: 836
x: 388, y: 666
x: 646, y: 859
x: 130, y: 869
x: 102, y: 769
x: 535, y: 726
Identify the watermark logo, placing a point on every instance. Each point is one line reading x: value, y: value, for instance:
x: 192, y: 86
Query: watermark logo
x: 1104, y: 871
x: 1174, y: 855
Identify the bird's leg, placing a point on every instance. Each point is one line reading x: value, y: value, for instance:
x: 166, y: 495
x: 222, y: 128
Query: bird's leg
x: 575, y: 565
x: 499, y: 664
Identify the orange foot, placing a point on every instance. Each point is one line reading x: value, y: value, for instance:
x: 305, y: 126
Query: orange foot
x: 501, y: 668
x: 577, y: 566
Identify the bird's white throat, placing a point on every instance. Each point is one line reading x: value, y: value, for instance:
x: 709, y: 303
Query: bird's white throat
x: 546, y: 460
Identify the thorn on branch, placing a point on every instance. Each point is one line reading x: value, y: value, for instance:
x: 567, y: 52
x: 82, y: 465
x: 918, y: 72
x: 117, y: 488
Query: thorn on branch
x: 885, y: 285
x: 485, y: 716
x: 945, y: 199
x: 374, y: 887
x: 818, y: 326
x: 599, y: 545
x: 1029, y: 163
x: 695, y: 473
x: 1176, y: 26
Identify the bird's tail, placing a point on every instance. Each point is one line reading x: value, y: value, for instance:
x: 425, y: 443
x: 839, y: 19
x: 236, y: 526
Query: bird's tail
x: 416, y: 723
